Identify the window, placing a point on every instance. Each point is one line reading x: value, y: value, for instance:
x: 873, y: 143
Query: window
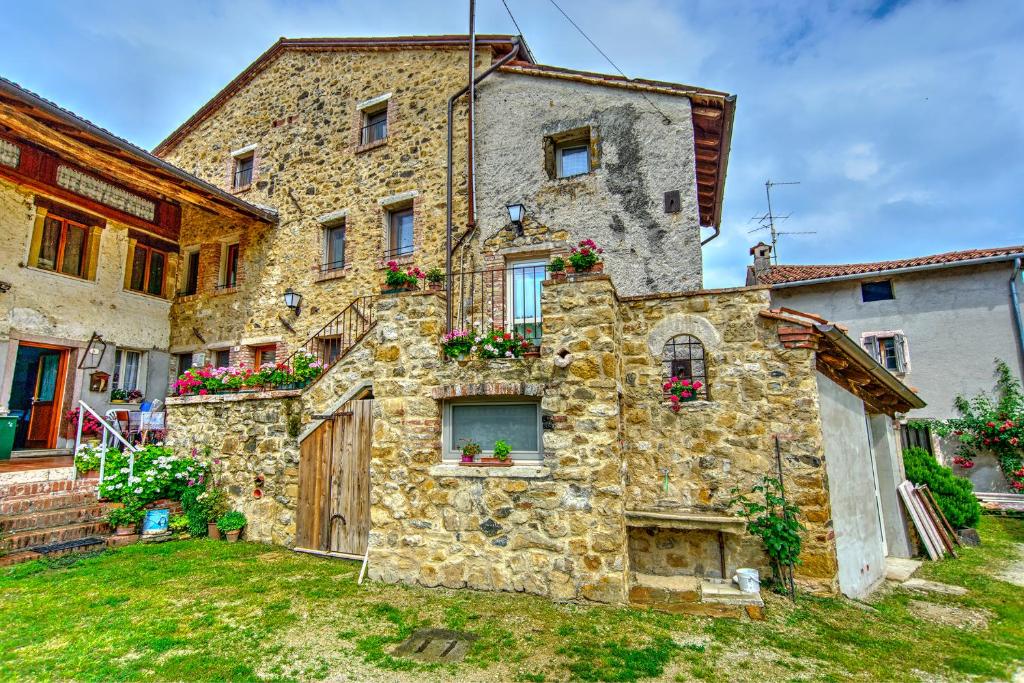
x: 148, y: 268
x: 917, y: 436
x: 229, y: 269
x: 683, y: 357
x: 523, y: 281
x: 222, y: 358
x: 375, y: 126
x: 334, y: 247
x: 889, y: 349
x: 264, y: 355
x: 191, y: 273
x: 243, y: 171
x: 876, y: 291
x: 63, y: 247
x: 573, y: 160
x: 516, y: 422
x: 127, y: 369
x: 184, y: 362
x: 400, y: 232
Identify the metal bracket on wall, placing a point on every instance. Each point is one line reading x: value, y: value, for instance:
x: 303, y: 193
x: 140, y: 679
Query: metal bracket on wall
x: 91, y: 350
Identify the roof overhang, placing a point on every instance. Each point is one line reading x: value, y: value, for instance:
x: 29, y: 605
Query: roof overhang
x: 898, y: 271
x: 845, y: 362
x: 499, y: 44
x: 29, y: 117
x: 713, y: 113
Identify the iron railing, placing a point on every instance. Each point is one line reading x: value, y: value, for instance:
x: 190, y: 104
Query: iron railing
x: 332, y: 266
x: 243, y: 177
x: 332, y: 341
x: 374, y: 132
x: 111, y: 435
x: 405, y: 250
x: 506, y: 299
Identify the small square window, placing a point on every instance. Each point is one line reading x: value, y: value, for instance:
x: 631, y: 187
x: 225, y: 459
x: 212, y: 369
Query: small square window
x: 148, y: 267
x: 400, y: 233
x: 518, y: 423
x: 127, y: 366
x: 243, y: 171
x: 222, y: 358
x: 264, y: 355
x: 573, y: 160
x: 876, y: 291
x: 184, y: 363
x: 63, y: 247
x: 375, y: 126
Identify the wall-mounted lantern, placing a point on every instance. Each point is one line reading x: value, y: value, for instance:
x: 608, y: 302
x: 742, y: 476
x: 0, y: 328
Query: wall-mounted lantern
x: 515, y: 215
x: 292, y: 300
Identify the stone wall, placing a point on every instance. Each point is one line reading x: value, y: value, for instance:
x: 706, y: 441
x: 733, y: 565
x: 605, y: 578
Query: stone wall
x: 301, y: 112
x: 553, y: 528
x: 757, y: 388
x: 248, y: 435
x: 635, y: 158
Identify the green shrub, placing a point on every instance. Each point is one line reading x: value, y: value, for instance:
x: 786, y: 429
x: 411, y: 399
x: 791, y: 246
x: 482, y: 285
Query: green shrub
x: 231, y: 521
x: 955, y: 495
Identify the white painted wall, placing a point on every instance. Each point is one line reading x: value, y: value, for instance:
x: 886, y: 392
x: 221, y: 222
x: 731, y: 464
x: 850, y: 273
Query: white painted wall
x: 851, y: 484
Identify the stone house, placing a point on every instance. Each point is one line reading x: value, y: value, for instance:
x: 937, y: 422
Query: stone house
x: 612, y: 496
x: 89, y: 263
x: 937, y: 322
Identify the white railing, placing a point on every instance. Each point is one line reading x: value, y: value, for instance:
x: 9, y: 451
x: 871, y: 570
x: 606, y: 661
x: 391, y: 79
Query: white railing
x: 107, y: 429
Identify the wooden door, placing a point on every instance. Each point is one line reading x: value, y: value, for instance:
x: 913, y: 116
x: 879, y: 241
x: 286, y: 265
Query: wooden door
x: 46, y: 400
x: 333, y: 512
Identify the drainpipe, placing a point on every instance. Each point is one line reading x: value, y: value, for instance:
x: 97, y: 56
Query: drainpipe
x: 513, y: 53
x: 1015, y: 302
x: 471, y: 132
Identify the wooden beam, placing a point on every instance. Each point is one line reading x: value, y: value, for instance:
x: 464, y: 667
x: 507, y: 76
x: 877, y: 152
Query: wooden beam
x: 707, y: 112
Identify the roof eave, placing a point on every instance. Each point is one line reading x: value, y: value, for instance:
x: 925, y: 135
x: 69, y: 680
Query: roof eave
x: 896, y: 271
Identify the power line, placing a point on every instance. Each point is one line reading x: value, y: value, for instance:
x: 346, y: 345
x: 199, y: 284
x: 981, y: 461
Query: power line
x: 609, y: 59
x: 512, y: 17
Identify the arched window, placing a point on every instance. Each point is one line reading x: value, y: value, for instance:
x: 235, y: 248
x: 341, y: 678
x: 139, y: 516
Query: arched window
x: 683, y: 357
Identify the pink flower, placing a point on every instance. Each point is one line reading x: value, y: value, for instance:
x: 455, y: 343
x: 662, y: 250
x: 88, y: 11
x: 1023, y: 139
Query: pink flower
x: 202, y: 392
x: 675, y: 407
x: 697, y: 385
x: 674, y: 398
x: 667, y: 386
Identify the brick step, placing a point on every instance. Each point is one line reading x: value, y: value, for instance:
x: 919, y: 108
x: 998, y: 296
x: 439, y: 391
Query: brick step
x: 46, y: 488
x: 694, y: 595
x: 46, y: 519
x: 18, y: 557
x: 25, y: 540
x: 45, y: 503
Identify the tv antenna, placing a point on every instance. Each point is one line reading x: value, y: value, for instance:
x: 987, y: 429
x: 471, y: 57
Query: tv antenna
x: 768, y: 220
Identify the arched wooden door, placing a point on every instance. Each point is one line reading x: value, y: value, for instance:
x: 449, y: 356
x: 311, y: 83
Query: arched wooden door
x: 333, y: 514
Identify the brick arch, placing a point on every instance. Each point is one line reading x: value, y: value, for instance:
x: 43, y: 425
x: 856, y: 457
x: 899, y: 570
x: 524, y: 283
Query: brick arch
x: 675, y: 325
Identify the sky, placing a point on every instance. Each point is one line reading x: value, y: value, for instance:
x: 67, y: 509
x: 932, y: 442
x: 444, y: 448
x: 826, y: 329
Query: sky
x: 902, y: 120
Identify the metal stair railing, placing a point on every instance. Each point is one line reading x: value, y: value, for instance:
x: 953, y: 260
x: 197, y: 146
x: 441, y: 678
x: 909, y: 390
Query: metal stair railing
x: 335, y: 339
x: 112, y: 431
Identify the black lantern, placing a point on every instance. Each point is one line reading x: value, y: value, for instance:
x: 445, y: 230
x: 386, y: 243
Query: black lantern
x: 515, y: 215
x: 292, y: 300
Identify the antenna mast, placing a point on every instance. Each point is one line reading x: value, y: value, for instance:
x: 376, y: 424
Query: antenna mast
x: 767, y: 221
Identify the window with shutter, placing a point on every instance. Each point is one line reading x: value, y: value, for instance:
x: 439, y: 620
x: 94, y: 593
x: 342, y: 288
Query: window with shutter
x: 871, y: 346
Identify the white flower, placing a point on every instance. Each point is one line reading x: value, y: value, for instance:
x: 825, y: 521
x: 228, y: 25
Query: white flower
x: 138, y: 490
x: 149, y: 478
x: 124, y: 470
x: 117, y: 486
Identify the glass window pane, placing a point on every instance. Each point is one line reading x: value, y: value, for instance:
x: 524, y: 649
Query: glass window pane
x: 376, y: 127
x: 156, y: 274
x: 50, y: 364
x: 117, y: 367
x: 401, y: 232
x: 138, y: 279
x: 525, y: 281
x: 192, y: 273
x: 516, y: 423
x: 49, y: 245
x: 74, y: 251
x: 243, y: 171
x: 575, y: 161
x: 231, y: 267
x: 336, y: 247
x: 184, y: 362
x: 130, y: 373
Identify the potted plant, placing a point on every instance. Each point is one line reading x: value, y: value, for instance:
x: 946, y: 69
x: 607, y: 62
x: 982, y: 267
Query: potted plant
x: 457, y: 344
x: 470, y: 449
x: 90, y: 426
x: 178, y: 525
x: 498, y: 344
x: 586, y: 257
x: 125, y: 519
x: 435, y: 279
x: 87, y: 460
x: 502, y: 451
x: 557, y: 269
x: 230, y: 524
x: 118, y: 395
x: 396, y: 281
x: 214, y: 502
x: 681, y: 391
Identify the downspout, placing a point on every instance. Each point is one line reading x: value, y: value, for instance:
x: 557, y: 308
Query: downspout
x: 471, y: 131
x: 513, y: 53
x: 1015, y: 302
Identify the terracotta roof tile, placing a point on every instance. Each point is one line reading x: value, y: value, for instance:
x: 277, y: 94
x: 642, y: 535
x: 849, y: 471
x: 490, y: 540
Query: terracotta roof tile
x: 798, y: 273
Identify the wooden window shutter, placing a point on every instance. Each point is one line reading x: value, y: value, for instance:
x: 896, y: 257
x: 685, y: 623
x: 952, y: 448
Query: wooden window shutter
x: 37, y: 236
x: 871, y: 346
x: 92, y: 264
x: 900, y: 342
x: 128, y: 263
x: 171, y: 275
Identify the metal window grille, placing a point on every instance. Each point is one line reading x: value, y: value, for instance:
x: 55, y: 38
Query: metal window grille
x: 683, y: 357
x: 243, y: 172
x: 506, y: 299
x: 375, y: 129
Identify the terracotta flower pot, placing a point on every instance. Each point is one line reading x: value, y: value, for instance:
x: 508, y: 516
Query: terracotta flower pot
x: 125, y: 530
x: 435, y: 286
x: 232, y: 536
x: 558, y: 275
x: 497, y: 462
x: 89, y: 474
x: 212, y: 531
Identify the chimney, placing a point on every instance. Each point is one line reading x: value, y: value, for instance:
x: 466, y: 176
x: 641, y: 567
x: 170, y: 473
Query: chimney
x: 762, y: 254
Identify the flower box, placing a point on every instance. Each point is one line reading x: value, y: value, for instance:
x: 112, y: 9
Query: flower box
x: 489, y: 462
x: 593, y: 270
x: 407, y: 287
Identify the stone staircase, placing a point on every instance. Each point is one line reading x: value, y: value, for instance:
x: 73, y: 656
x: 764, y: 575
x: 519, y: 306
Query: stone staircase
x: 50, y: 518
x: 694, y: 595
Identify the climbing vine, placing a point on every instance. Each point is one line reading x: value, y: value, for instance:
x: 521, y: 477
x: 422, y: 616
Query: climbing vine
x: 773, y: 519
x: 992, y: 425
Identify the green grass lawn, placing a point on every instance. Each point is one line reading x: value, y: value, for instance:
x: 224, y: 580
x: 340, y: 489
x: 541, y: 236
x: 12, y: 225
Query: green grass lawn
x: 202, y: 610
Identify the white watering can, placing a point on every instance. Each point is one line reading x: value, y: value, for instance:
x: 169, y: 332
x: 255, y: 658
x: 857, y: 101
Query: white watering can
x: 748, y: 580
